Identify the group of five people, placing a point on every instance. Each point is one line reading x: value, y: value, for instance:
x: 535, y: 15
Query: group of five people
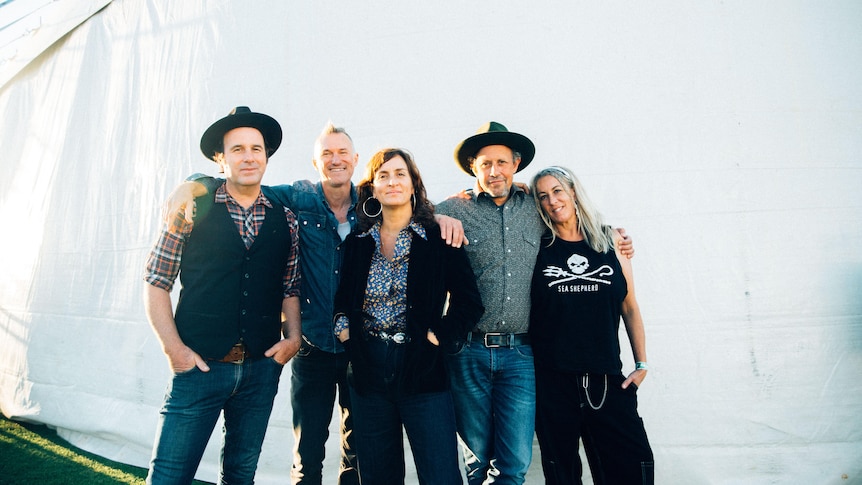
x: 418, y: 318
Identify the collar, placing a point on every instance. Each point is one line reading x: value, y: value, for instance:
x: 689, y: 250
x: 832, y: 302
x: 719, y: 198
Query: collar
x: 318, y: 187
x: 414, y: 226
x: 222, y: 196
x: 515, y: 191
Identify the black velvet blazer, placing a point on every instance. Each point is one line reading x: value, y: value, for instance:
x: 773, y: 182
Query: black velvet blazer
x: 434, y: 271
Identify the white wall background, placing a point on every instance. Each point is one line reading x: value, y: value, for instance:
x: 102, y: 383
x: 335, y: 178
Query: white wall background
x: 725, y: 136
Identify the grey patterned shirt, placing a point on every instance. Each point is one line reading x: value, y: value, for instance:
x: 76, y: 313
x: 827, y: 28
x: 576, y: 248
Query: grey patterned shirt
x: 504, y: 243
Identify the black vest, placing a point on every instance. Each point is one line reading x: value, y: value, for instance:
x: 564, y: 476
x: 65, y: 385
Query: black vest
x: 230, y: 293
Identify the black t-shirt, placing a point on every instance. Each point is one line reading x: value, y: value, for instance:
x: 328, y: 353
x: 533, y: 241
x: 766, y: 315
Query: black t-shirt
x: 577, y: 296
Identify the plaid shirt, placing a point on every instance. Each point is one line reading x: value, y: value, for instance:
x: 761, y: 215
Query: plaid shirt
x: 163, y: 264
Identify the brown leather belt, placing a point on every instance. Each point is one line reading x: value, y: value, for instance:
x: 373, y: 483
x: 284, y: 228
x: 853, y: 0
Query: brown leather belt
x: 237, y: 355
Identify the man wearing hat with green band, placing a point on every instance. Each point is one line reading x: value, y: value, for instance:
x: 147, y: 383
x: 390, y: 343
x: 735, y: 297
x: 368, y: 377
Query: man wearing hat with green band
x: 237, y: 322
x: 492, y: 374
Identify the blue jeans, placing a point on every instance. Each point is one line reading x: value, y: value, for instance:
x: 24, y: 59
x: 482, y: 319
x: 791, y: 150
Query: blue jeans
x: 316, y: 375
x: 428, y: 419
x: 193, y: 402
x: 494, y: 390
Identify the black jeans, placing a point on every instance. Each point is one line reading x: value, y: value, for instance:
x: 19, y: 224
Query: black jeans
x: 316, y: 376
x: 596, y: 409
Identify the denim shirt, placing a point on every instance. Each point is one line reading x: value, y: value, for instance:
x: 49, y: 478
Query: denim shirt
x: 320, y: 256
x: 504, y: 243
x: 320, y: 250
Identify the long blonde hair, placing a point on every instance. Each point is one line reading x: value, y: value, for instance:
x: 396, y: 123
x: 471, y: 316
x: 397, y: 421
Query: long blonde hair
x: 590, y: 222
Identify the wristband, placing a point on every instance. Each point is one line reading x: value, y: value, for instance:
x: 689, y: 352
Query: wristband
x: 641, y: 366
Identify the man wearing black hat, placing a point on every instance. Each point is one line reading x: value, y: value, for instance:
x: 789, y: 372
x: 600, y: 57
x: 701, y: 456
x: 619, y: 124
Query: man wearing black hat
x: 326, y: 210
x: 237, y: 322
x: 492, y: 376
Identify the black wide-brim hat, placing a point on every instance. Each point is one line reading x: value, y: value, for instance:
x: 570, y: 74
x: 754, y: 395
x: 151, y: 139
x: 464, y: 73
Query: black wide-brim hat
x: 493, y: 133
x: 241, y: 117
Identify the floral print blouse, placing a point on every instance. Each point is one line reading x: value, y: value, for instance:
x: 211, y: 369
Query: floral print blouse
x: 385, y: 305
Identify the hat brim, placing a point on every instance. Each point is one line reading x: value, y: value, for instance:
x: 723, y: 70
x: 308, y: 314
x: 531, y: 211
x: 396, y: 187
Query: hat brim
x: 516, y: 141
x: 213, y: 138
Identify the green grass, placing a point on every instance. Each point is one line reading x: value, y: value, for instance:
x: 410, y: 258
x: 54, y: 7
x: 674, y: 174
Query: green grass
x: 31, y: 454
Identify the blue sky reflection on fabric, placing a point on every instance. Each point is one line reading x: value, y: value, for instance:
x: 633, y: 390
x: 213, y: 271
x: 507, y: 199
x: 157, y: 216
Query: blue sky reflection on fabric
x: 28, y: 27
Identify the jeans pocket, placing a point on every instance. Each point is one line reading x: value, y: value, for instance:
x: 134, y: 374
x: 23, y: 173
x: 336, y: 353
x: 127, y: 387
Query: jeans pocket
x: 525, y: 351
x: 186, y: 372
x: 304, y: 349
x: 452, y: 347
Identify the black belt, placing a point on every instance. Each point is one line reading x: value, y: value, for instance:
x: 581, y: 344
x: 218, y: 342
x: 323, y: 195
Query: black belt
x: 494, y: 340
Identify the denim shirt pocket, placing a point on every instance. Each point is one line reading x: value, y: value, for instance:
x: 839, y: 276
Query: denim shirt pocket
x: 312, y: 226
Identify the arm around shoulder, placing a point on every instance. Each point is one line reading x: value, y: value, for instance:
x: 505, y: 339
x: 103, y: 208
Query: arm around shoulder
x: 182, y: 199
x: 623, y: 242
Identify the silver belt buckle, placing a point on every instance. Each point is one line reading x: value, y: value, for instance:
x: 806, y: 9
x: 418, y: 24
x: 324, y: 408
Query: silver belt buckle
x: 485, y: 340
x: 398, y: 338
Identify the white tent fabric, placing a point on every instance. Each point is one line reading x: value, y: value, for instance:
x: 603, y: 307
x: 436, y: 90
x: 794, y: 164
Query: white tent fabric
x: 28, y: 27
x: 725, y: 136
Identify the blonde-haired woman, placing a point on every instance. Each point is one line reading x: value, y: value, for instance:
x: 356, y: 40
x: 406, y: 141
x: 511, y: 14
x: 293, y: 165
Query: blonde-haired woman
x: 582, y: 285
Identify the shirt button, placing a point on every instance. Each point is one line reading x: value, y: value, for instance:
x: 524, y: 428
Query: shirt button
x: 245, y: 293
x: 246, y: 276
x: 244, y: 312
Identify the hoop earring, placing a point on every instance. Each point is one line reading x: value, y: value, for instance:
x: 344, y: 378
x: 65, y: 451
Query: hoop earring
x: 413, y: 202
x: 365, y: 209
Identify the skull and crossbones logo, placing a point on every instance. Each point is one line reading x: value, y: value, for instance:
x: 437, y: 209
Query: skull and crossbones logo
x: 578, y: 266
